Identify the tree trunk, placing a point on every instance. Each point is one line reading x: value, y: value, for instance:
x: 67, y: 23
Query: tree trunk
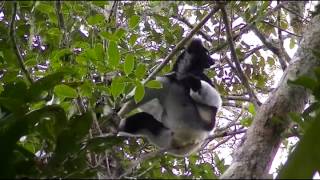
x: 254, y: 157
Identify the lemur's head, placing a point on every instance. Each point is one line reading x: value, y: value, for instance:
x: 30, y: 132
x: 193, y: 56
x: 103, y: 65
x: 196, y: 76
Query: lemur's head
x: 195, y: 58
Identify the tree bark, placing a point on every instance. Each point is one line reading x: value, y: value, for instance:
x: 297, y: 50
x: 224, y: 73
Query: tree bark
x: 254, y: 157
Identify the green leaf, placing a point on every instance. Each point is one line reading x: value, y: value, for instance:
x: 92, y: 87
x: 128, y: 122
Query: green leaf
x: 304, y: 81
x: 54, y: 32
x: 246, y: 121
x: 270, y: 61
x: 252, y: 109
x: 129, y: 64
x: 96, y: 19
x: 10, y: 76
x: 108, y: 36
x: 254, y: 59
x: 305, y: 160
x: 141, y: 71
x: 86, y: 89
x: 65, y: 91
x: 31, y: 62
x: 207, y: 171
x: 79, y: 125
x: 133, y: 21
x: 139, y: 92
x: 117, y: 87
x: 284, y: 24
x: 120, y: 33
x: 43, y: 7
x: 99, y: 52
x: 133, y: 39
x: 13, y: 105
x: 49, y: 114
x: 292, y: 43
x: 154, y: 84
x: 15, y: 90
x: 57, y: 55
x: 100, y: 144
x: 113, y: 54
x: 46, y: 83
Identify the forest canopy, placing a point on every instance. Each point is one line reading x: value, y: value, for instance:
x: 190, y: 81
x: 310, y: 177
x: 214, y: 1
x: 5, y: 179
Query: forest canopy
x: 67, y: 68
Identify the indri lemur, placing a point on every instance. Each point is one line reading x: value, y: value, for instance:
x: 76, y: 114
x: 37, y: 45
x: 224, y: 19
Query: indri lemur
x: 180, y: 115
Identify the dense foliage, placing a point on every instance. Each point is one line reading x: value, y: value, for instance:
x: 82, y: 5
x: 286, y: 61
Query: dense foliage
x: 66, y: 68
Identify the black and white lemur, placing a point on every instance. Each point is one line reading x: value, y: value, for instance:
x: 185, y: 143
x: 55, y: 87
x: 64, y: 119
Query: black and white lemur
x: 179, y: 116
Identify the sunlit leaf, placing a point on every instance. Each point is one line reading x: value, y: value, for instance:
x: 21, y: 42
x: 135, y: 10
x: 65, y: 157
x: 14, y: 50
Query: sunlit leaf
x: 251, y: 109
x: 133, y: 39
x: 129, y: 64
x: 140, y: 71
x: 133, y: 21
x: 117, y: 87
x: 113, y: 54
x: 98, y: 18
x: 65, y: 91
x: 120, y: 33
x: 154, y: 84
x: 292, y: 43
x: 139, y: 92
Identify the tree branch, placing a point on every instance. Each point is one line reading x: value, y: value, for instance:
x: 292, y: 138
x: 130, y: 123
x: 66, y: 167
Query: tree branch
x: 284, y: 30
x: 185, y: 21
x: 236, y: 98
x: 227, y: 133
x: 238, y: 68
x: 64, y: 40
x: 15, y: 44
x: 246, y: 28
x: 253, y: 159
x: 283, y: 56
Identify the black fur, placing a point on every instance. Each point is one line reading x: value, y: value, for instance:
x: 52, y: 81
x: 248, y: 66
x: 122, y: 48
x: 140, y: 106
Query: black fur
x: 187, y: 72
x: 199, y: 60
x: 142, y: 121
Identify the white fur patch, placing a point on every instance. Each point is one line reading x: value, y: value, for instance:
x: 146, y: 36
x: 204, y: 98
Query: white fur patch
x: 153, y: 107
x: 207, y: 95
x: 184, y: 65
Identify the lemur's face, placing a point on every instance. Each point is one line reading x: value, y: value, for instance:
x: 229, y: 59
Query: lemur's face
x: 194, y: 58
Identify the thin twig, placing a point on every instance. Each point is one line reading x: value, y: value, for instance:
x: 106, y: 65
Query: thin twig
x: 296, y: 13
x: 142, y: 159
x: 185, y: 21
x: 284, y: 30
x: 220, y: 143
x: 230, y: 133
x: 222, y: 134
x: 64, y: 40
x: 246, y: 28
x: 243, y: 30
x: 236, y: 98
x: 239, y: 71
x: 252, y: 51
x: 15, y: 45
x: 283, y: 59
x: 32, y: 26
